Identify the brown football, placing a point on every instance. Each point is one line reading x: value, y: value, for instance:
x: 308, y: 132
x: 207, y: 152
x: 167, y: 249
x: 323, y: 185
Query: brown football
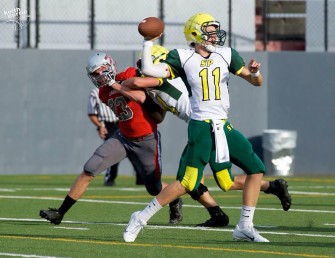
x: 151, y: 27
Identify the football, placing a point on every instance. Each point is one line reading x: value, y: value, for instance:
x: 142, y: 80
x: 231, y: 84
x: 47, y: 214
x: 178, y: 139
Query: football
x: 151, y: 27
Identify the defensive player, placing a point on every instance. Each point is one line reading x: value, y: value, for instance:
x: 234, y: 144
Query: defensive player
x: 137, y: 137
x: 205, y: 70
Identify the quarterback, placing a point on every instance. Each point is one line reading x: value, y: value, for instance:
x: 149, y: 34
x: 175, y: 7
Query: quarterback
x: 205, y: 70
x: 172, y: 96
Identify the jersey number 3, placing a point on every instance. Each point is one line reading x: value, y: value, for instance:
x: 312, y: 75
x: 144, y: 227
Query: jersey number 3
x: 119, y: 103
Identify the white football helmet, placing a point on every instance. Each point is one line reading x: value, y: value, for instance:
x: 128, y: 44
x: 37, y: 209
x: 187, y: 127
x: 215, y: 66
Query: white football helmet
x: 96, y: 61
x: 195, y: 31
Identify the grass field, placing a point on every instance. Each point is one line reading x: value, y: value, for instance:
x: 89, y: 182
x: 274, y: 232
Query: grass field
x: 94, y: 225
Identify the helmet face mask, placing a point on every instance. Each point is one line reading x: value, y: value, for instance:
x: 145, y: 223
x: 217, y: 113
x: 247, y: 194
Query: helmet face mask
x: 102, y: 79
x: 101, y: 61
x: 195, y: 32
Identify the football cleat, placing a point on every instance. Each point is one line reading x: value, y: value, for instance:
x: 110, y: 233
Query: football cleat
x: 279, y: 188
x: 133, y: 228
x: 220, y: 221
x: 109, y: 183
x: 176, y: 215
x: 249, y: 234
x: 52, y: 214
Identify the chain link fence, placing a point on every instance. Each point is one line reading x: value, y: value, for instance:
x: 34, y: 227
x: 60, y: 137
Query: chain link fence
x: 112, y: 24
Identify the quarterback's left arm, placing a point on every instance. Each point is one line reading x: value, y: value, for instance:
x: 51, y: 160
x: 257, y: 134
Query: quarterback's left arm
x: 252, y: 73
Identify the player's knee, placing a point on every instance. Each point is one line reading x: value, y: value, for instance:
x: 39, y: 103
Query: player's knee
x: 94, y: 164
x: 258, y: 172
x: 196, y: 194
x: 88, y: 173
x: 154, y: 189
x: 224, y: 180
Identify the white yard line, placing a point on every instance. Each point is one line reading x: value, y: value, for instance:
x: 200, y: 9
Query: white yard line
x: 72, y: 228
x: 231, y: 230
x: 312, y: 193
x: 12, y: 190
x: 42, y: 220
x: 170, y: 227
x: 27, y: 255
x: 142, y: 203
x: 314, y: 186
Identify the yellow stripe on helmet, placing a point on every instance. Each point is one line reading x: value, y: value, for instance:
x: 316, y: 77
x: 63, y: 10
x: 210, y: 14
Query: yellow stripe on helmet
x: 158, y: 53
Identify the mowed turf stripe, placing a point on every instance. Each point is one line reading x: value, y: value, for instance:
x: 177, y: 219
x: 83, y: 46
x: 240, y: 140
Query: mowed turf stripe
x: 140, y: 189
x: 144, y: 204
x: 168, y: 227
x: 220, y: 249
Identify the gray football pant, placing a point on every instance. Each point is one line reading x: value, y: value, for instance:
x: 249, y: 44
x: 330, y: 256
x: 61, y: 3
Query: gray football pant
x: 144, y: 153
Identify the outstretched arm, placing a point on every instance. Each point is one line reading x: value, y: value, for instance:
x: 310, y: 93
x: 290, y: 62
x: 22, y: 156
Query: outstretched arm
x: 160, y: 70
x: 141, y: 82
x: 135, y: 95
x: 252, y: 74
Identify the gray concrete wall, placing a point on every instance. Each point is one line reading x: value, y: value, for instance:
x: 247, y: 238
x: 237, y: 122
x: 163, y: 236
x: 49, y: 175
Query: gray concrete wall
x: 45, y: 129
x: 301, y: 91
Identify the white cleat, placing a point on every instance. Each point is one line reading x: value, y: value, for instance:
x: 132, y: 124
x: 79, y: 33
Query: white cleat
x: 134, y: 227
x: 248, y: 234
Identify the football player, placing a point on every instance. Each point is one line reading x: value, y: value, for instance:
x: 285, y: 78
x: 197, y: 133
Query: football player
x: 173, y: 97
x: 205, y: 70
x: 137, y: 137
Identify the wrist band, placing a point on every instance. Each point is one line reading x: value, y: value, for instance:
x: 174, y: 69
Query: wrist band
x: 256, y: 74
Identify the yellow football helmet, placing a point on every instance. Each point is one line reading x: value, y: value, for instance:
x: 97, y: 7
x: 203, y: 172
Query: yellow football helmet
x: 158, y: 53
x: 195, y: 30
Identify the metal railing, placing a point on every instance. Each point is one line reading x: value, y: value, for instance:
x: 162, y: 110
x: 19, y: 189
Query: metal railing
x: 59, y: 24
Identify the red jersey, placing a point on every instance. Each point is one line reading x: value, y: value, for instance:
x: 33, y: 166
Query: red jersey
x: 134, y: 120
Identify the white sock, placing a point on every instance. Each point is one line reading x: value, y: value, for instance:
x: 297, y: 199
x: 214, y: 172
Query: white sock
x: 149, y: 211
x: 247, y: 216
